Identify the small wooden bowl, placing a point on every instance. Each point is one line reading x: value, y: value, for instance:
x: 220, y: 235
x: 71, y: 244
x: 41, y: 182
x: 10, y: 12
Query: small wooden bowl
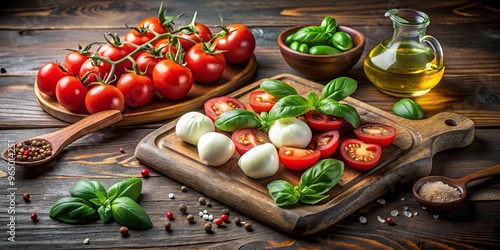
x: 322, y: 67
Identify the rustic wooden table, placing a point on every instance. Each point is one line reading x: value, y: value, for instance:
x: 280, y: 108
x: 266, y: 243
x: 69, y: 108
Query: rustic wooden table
x: 35, y: 32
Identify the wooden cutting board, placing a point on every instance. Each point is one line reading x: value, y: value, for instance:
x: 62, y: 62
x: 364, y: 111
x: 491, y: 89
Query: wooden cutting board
x: 407, y: 159
x: 234, y: 76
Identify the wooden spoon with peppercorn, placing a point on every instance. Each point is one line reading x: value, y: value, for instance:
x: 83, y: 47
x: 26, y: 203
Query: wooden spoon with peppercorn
x: 43, y: 148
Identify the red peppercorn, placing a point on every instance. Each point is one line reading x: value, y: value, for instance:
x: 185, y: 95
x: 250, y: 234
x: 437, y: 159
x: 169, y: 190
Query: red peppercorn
x: 122, y: 151
x: 145, y: 173
x: 218, y: 221
x: 389, y: 221
x: 224, y: 217
x: 170, y: 215
x: 34, y: 217
x: 26, y: 197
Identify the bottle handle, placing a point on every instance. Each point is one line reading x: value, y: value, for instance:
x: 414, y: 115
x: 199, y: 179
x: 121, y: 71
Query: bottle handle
x: 436, y: 47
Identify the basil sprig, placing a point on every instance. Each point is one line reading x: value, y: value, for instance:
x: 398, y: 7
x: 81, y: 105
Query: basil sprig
x: 409, y: 109
x: 313, y: 184
x: 90, y: 199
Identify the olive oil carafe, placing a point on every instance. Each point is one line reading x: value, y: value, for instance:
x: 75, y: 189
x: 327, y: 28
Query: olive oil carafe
x: 410, y: 63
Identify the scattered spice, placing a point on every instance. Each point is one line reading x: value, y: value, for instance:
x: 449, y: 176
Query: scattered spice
x: 190, y: 218
x: 86, y: 241
x: 171, y: 196
x: 33, y: 150
x: 209, y: 203
x: 170, y: 215
x: 248, y: 226
x: 182, y: 208
x: 26, y: 197
x: 224, y: 217
x: 124, y: 231
x: 184, y: 188
x: 122, y: 151
x: 168, y: 225
x: 225, y: 211
x: 237, y: 221
x: 145, y: 173
x: 438, y: 192
x: 389, y: 221
x: 201, y: 201
x: 34, y: 217
x: 218, y: 222
x: 208, y: 227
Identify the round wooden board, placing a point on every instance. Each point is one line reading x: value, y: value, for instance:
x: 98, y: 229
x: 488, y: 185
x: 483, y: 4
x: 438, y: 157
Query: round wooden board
x: 234, y: 76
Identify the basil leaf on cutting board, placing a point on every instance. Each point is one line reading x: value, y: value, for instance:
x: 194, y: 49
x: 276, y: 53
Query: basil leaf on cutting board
x: 73, y: 210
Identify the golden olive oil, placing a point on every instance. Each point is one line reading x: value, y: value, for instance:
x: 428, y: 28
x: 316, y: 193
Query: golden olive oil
x: 404, y: 69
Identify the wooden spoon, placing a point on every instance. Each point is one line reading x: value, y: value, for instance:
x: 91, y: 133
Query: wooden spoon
x: 62, y: 138
x: 459, y: 184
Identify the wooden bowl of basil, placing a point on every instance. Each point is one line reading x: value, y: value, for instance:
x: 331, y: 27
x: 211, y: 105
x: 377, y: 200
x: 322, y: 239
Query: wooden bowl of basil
x: 321, y: 66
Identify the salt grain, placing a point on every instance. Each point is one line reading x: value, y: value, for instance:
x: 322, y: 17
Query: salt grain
x: 362, y: 219
x: 436, y: 216
x: 394, y: 213
x: 381, y: 201
x: 407, y: 214
x: 380, y: 219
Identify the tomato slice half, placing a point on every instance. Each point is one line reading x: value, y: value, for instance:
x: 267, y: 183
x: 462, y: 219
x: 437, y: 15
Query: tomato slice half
x: 218, y: 105
x: 326, y: 143
x: 360, y: 155
x: 261, y: 101
x: 376, y: 133
x: 246, y: 139
x: 298, y: 158
x: 322, y: 122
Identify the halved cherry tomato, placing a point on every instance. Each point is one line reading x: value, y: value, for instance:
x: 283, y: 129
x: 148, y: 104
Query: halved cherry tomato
x: 298, y: 158
x: 360, y: 155
x: 218, y: 105
x: 261, y: 101
x: 376, y: 133
x: 245, y: 139
x: 322, y: 122
x: 326, y: 143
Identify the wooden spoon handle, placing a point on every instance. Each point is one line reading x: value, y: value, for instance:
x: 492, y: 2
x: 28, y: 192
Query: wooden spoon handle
x: 491, y: 171
x: 85, y: 126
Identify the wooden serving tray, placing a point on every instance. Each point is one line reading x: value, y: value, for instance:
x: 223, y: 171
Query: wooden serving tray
x: 407, y: 159
x: 234, y: 76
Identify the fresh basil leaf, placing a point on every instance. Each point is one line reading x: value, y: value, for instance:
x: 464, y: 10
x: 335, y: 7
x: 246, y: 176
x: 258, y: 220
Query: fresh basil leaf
x: 344, y: 111
x: 312, y: 198
x: 339, y: 88
x: 282, y: 192
x: 329, y: 24
x: 105, y: 212
x: 73, y: 210
x: 277, y: 88
x: 409, y: 109
x: 312, y: 35
x: 131, y: 188
x: 237, y: 119
x: 87, y: 189
x: 100, y: 199
x: 321, y: 177
x: 313, y: 99
x: 128, y: 213
x: 289, y: 106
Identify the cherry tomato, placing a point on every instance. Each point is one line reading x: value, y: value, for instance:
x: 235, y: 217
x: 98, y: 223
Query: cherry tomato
x: 70, y: 93
x: 172, y: 80
x: 74, y: 61
x: 164, y: 45
x: 138, y: 36
x: 239, y: 43
x: 360, y: 155
x: 298, y: 158
x: 205, y: 66
x: 104, y: 97
x: 48, y: 75
x: 326, y: 142
x: 218, y: 105
x: 245, y: 139
x: 146, y: 62
x: 322, y: 122
x: 203, y: 32
x: 136, y: 89
x: 152, y: 23
x: 96, y: 70
x: 115, y: 53
x: 261, y: 101
x: 376, y: 133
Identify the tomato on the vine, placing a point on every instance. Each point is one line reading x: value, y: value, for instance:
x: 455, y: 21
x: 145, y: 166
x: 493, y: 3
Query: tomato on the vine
x: 238, y: 43
x: 146, y: 62
x: 376, y: 133
x: 322, y: 122
x: 203, y: 32
x: 245, y: 139
x: 95, y: 70
x: 172, y: 80
x: 326, y: 142
x: 70, y: 93
x: 114, y: 51
x: 360, y: 155
x: 152, y: 23
x: 138, y: 36
x: 104, y: 97
x: 206, y: 66
x: 218, y: 105
x: 137, y: 90
x: 261, y: 101
x: 48, y: 75
x: 164, y: 45
x: 298, y: 158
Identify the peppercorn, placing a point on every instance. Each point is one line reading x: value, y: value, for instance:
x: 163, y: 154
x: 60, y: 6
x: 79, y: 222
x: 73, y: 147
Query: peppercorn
x: 224, y: 217
x: 209, y: 203
x: 237, y: 221
x: 208, y: 227
x: 145, y: 173
x: 248, y: 226
x: 184, y: 188
x: 170, y: 215
x: 201, y: 201
x: 26, y: 197
x: 389, y: 221
x: 32, y: 150
x: 225, y: 211
x: 124, y: 231
x: 122, y: 150
x: 190, y: 218
x: 168, y: 225
x: 218, y: 222
x: 34, y: 217
x: 183, y: 208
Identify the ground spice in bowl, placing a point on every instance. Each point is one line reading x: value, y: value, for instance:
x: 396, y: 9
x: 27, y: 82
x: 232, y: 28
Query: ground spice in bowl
x: 438, y: 191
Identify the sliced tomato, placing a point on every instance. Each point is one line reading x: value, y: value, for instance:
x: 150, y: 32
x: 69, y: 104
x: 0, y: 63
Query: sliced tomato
x: 376, y: 133
x: 322, y: 122
x: 298, y: 158
x: 245, y: 139
x: 326, y: 142
x: 261, y: 101
x: 360, y: 155
x: 218, y: 105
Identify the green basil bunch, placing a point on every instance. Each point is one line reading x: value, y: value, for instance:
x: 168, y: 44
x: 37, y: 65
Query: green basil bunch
x: 313, y: 184
x: 90, y: 200
x: 409, y: 109
x: 291, y: 104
